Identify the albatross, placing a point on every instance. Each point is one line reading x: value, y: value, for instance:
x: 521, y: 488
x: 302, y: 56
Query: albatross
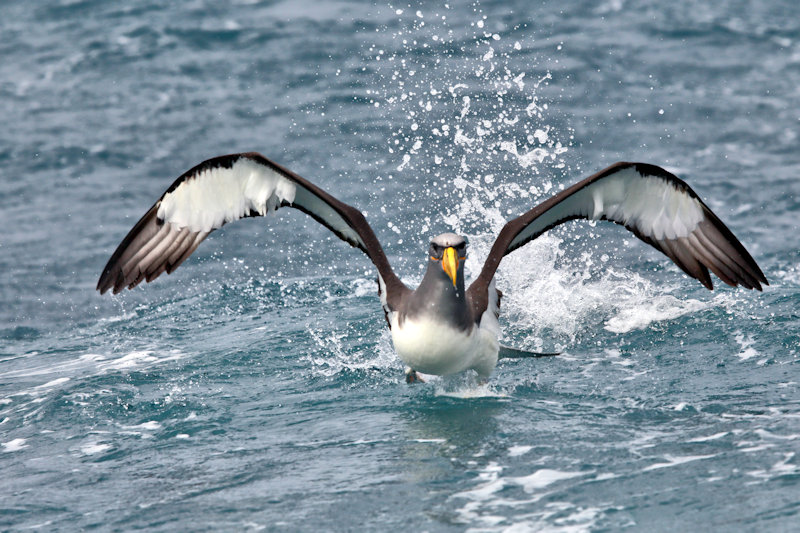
x: 442, y: 327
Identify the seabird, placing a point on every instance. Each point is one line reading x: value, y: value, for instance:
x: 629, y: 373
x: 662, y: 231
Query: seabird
x: 442, y: 327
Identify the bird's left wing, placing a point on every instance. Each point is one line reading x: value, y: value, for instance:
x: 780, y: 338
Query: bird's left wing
x: 222, y: 190
x: 654, y: 204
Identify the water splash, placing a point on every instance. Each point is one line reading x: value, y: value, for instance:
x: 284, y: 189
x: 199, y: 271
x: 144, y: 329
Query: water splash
x: 336, y: 354
x: 468, y: 116
x: 478, y: 147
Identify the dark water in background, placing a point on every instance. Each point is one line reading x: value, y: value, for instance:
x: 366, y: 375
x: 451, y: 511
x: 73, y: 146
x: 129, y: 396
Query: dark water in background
x: 256, y: 388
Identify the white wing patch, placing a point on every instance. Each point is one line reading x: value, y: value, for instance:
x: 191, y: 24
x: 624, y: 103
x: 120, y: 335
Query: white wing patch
x: 220, y: 195
x: 489, y: 318
x: 659, y: 208
x: 652, y: 205
x: 385, y: 301
x: 222, y: 190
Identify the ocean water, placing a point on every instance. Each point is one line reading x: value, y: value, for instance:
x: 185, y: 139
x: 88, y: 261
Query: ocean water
x: 256, y: 387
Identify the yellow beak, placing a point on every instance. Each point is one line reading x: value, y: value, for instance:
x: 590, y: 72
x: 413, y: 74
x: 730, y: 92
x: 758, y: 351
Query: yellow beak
x: 450, y: 263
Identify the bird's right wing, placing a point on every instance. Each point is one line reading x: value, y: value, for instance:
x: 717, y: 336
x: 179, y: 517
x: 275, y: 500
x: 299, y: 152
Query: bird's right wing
x: 222, y: 190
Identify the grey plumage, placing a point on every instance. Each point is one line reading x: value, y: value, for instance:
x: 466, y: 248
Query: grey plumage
x: 436, y: 295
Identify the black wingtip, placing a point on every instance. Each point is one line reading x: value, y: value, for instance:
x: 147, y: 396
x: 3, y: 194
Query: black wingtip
x: 102, y: 283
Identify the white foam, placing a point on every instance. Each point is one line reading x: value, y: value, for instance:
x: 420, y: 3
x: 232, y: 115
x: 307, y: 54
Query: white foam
x: 89, y: 364
x: 13, y: 445
x: 334, y: 356
x: 515, y: 451
x: 605, y: 476
x: 746, y: 343
x: 118, y: 318
x: 364, y: 287
x: 655, y: 309
x: 469, y: 392
x: 93, y: 448
x: 482, y: 501
x: 485, y: 490
x: 132, y: 360
x: 150, y: 425
x: 51, y: 384
x: 715, y: 436
x: 490, y: 480
x: 675, y: 461
x: 544, y: 297
x: 534, y: 156
x: 784, y: 467
x: 542, y: 478
x: 754, y: 449
x: 764, y: 434
x: 142, y: 430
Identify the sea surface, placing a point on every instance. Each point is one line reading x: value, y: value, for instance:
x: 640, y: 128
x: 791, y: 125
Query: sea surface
x: 256, y: 388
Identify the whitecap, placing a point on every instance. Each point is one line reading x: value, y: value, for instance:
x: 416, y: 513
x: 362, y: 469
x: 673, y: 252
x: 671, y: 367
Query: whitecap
x: 51, y: 384
x: 715, y: 436
x: 14, y: 445
x: 542, y: 478
x: 87, y: 365
x: 782, y: 468
x: 515, y: 451
x: 652, y: 309
x: 746, y: 346
x: 675, y: 461
x: 93, y: 448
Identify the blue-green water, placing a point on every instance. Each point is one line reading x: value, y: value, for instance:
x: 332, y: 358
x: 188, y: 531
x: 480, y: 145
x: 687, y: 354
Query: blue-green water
x: 256, y: 387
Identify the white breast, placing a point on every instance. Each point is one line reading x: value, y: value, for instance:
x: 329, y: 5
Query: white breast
x: 433, y: 347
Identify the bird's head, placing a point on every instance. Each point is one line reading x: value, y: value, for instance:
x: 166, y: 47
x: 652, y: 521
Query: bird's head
x: 448, y: 252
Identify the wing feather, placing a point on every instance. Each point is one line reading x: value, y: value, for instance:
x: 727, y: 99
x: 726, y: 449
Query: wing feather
x: 654, y: 204
x: 707, y: 258
x: 219, y: 191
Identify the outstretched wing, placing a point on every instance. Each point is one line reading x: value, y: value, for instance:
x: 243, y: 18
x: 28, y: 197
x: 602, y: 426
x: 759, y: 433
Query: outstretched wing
x: 657, y: 206
x: 222, y: 190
